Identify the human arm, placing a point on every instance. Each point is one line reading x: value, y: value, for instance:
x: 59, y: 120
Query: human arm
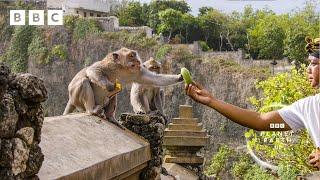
x: 244, y: 117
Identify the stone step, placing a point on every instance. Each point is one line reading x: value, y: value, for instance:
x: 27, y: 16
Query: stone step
x: 179, y: 172
x: 201, y: 133
x: 184, y: 159
x: 192, y: 127
x: 185, y: 120
x: 184, y: 141
x: 185, y: 111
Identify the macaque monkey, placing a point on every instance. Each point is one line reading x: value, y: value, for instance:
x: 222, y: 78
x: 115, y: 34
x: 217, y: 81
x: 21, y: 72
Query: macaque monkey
x: 144, y: 98
x: 93, y: 88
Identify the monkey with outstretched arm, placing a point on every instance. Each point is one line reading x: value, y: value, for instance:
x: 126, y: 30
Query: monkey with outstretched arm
x: 93, y: 88
x: 146, y: 98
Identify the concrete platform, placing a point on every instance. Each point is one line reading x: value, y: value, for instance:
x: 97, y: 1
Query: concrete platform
x: 79, y: 146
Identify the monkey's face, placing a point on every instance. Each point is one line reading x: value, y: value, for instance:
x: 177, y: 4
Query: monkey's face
x: 129, y: 59
x: 155, y: 69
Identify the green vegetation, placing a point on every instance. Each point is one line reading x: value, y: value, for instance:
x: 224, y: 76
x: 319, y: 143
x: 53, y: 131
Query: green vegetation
x: 163, y: 51
x: 37, y: 49
x: 136, y: 40
x: 60, y: 51
x: 83, y: 27
x: 219, y: 161
x: 261, y: 33
x: 287, y: 150
x: 17, y: 54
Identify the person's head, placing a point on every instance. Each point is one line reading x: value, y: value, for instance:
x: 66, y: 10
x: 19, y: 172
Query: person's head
x: 313, y: 69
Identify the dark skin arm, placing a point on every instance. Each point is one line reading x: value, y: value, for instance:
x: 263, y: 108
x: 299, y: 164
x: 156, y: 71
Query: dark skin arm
x: 244, y: 117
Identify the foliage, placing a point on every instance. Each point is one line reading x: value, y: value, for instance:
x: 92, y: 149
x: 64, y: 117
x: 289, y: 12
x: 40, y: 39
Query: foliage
x: 267, y: 38
x: 255, y: 172
x: 60, y: 51
x: 84, y: 27
x: 134, y: 14
x: 37, y: 49
x: 218, y: 161
x: 136, y: 40
x: 17, y: 54
x: 163, y: 51
x: 69, y: 22
x: 283, y: 148
x: 204, y: 46
x: 240, y: 167
x: 170, y: 20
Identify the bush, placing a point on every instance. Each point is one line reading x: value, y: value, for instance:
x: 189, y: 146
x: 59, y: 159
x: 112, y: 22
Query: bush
x: 38, y: 50
x: 204, y: 46
x: 218, y: 161
x: 163, y: 51
x: 60, y: 51
x: 84, y: 27
x: 17, y: 54
x: 279, y: 147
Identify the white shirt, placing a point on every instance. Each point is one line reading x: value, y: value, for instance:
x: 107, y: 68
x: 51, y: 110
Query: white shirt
x: 305, y: 113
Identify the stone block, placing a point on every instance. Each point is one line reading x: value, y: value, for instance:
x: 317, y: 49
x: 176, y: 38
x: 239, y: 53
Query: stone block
x: 201, y: 133
x: 193, y: 121
x: 183, y: 159
x: 185, y: 111
x: 180, y: 172
x: 185, y: 127
x: 184, y: 141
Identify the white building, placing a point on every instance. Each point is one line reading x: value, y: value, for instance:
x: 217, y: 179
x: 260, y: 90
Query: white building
x: 85, y: 8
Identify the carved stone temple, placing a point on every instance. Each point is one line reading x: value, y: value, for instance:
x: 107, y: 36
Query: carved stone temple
x: 183, y: 138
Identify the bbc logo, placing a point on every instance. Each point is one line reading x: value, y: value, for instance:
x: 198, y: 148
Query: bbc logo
x: 36, y: 17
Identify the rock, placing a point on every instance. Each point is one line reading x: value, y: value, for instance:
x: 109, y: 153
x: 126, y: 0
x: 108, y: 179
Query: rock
x: 26, y: 134
x: 30, y: 87
x: 4, y: 76
x: 35, y: 160
x: 151, y: 127
x: 8, y: 117
x: 20, y: 154
x: 6, y: 155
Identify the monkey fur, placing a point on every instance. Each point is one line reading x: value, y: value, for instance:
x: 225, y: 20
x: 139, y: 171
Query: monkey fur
x: 144, y: 98
x: 92, y: 89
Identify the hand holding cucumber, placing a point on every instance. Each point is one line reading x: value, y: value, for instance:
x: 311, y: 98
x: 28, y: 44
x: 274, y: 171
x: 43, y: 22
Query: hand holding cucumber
x: 195, y: 90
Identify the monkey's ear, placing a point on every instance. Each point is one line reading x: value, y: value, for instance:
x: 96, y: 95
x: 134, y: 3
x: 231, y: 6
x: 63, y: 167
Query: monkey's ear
x: 116, y: 57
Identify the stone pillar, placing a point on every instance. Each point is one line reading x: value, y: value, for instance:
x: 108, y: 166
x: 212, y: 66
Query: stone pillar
x: 183, y: 138
x: 21, y: 118
x: 151, y: 127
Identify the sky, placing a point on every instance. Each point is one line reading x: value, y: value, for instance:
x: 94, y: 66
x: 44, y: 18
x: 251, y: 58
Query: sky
x: 278, y: 6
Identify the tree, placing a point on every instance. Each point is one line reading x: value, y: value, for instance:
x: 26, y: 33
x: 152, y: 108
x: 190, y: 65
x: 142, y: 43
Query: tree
x: 156, y: 6
x: 133, y: 14
x: 170, y: 21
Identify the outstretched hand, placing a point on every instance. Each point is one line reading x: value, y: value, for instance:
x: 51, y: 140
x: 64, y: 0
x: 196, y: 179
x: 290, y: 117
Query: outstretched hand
x: 314, y: 159
x: 198, y: 93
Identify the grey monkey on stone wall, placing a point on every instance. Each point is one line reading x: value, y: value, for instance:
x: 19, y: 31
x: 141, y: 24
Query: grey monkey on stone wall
x: 144, y: 98
x: 93, y: 89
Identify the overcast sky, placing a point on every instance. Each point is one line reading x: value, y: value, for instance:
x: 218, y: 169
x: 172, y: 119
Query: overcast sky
x: 278, y: 6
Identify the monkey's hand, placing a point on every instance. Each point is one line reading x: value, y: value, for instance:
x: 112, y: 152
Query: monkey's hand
x: 114, y: 121
x: 110, y: 86
x: 180, y: 78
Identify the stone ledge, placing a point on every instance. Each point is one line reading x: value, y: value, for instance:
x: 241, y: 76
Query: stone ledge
x: 184, y: 141
x: 197, y: 127
x: 201, y: 133
x: 79, y: 146
x: 183, y: 159
x: 185, y: 121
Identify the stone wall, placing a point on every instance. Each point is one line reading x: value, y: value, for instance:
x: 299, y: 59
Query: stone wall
x: 111, y: 24
x: 21, y: 119
x: 152, y: 129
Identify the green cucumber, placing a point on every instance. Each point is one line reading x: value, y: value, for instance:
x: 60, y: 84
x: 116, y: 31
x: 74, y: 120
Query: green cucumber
x: 186, y: 75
